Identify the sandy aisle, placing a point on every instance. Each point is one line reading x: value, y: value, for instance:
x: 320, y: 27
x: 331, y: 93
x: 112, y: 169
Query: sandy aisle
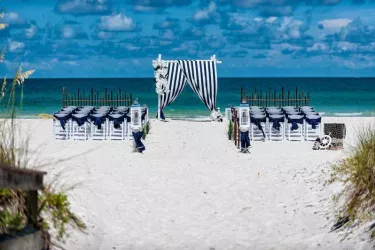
x: 192, y: 190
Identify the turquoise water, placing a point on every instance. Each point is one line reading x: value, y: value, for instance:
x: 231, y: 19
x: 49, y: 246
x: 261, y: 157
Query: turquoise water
x: 331, y: 96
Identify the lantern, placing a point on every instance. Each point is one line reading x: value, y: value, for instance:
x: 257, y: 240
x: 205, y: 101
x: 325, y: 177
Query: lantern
x: 228, y: 112
x: 244, y: 115
x: 136, y: 116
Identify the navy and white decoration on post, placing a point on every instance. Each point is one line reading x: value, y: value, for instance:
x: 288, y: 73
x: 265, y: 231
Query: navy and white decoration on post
x: 172, y: 76
x: 244, y: 126
x: 136, y: 125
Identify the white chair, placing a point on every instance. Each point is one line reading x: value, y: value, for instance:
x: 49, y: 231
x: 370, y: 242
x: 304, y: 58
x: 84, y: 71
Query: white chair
x: 59, y: 132
x: 295, y: 134
x: 116, y: 133
x: 80, y: 127
x: 273, y: 133
x: 312, y: 127
x: 255, y: 131
x: 96, y: 132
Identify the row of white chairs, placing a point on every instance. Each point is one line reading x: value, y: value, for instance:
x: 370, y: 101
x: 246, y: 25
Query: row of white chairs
x: 87, y: 128
x: 304, y: 132
x: 303, y: 119
x: 90, y: 131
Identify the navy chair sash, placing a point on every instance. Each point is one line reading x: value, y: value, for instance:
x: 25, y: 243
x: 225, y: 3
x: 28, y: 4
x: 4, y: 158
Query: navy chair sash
x: 80, y: 119
x: 137, y: 139
x: 257, y: 120
x: 313, y: 120
x: 245, y: 140
x: 295, y: 121
x: 276, y: 121
x: 63, y: 118
x: 144, y: 114
x: 117, y: 119
x: 98, y: 119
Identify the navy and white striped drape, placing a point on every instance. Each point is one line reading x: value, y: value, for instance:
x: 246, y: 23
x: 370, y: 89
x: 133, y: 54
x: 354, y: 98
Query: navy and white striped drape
x: 202, y: 78
x: 176, y: 83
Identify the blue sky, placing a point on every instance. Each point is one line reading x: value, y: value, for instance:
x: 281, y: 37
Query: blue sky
x: 260, y: 38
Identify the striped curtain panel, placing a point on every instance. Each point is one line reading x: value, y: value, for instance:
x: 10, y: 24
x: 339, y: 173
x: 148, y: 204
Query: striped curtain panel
x: 176, y: 83
x: 202, y: 78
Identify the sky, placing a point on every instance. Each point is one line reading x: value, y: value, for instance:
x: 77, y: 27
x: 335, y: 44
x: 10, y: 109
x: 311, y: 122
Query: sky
x: 252, y: 38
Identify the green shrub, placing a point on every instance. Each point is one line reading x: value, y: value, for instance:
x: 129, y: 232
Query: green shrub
x: 357, y: 174
x: 15, y: 151
x: 146, y: 129
x: 230, y: 130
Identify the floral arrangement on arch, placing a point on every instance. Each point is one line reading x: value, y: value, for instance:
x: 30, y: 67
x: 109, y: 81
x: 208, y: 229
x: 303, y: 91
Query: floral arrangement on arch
x: 161, y: 77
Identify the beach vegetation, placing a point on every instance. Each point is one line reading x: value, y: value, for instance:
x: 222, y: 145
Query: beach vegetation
x: 146, y: 129
x: 45, y: 116
x: 356, y: 201
x: 230, y: 130
x: 54, y: 210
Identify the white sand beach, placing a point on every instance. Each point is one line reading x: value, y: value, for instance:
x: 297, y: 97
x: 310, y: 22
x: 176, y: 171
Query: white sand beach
x: 191, y: 189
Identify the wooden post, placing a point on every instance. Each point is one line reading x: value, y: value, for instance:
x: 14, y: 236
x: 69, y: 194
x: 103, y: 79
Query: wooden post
x: 308, y: 98
x: 269, y: 102
x: 112, y: 99
x: 289, y: 98
x: 241, y: 95
x: 282, y: 97
x: 296, y: 97
x: 63, y: 96
x: 274, y: 98
x: 32, y: 207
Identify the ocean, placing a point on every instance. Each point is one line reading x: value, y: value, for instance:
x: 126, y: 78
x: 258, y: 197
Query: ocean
x: 329, y: 96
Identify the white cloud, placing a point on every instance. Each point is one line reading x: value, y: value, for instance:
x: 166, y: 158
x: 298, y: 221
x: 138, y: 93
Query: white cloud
x: 334, y: 23
x: 318, y: 47
x: 13, y: 18
x: 68, y: 32
x: 82, y: 7
x: 118, y: 22
x: 271, y: 19
x: 206, y: 13
x: 16, y: 46
x: 31, y: 31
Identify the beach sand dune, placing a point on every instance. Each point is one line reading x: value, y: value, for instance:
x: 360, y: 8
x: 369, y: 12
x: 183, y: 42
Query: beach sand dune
x: 191, y: 189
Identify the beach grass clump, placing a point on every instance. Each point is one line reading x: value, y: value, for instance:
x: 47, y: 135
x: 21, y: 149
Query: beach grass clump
x: 146, y: 129
x: 230, y: 130
x: 15, y: 151
x: 45, y: 116
x: 357, y: 174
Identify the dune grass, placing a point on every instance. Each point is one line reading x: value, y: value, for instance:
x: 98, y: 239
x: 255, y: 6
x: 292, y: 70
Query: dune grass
x: 357, y: 174
x: 230, y: 130
x: 146, y: 129
x: 15, y: 151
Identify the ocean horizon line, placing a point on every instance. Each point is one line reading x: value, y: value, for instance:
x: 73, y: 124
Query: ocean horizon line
x: 219, y: 77
x: 172, y: 115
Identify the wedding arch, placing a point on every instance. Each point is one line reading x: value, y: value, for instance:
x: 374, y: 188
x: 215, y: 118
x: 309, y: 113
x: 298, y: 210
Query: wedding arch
x: 171, y: 77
